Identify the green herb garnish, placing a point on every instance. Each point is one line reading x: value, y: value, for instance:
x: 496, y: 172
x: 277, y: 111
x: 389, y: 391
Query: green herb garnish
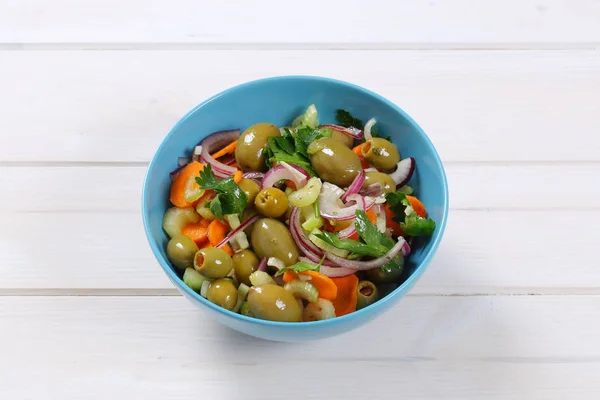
x: 230, y: 199
x: 410, y: 223
x: 302, y: 266
x: 291, y: 146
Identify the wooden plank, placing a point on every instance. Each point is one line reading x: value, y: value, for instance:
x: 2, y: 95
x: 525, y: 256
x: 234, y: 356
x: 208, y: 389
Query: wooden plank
x: 540, y: 347
x: 269, y: 21
x: 119, y: 189
x: 116, y: 106
x: 482, y: 252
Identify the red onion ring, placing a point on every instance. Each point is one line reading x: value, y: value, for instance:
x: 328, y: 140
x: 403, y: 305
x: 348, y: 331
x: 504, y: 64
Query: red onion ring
x: 331, y: 210
x: 373, y: 190
x: 368, y: 127
x: 280, y: 172
x: 237, y: 230
x: 213, y: 143
x: 263, y: 265
x: 404, y: 171
x: 351, y: 131
x: 375, y: 263
x: 302, y: 241
x: 354, y: 186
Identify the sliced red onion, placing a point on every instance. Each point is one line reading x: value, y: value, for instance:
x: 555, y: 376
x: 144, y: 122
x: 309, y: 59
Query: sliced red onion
x: 263, y: 265
x: 229, y: 161
x: 302, y: 241
x: 253, y: 175
x: 373, y: 190
x: 278, y: 173
x: 330, y: 208
x: 299, y: 172
x: 351, y: 229
x: 173, y: 174
x: 237, y: 230
x: 366, y: 265
x: 404, y: 171
x: 354, y: 186
x: 405, y: 248
x: 351, y: 131
x: 368, y: 127
x: 213, y: 143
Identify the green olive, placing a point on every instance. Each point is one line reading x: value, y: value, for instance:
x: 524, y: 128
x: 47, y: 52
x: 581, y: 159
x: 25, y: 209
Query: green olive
x: 367, y: 294
x: 271, y: 238
x: 342, y: 137
x: 245, y: 263
x: 213, y: 262
x: 386, y: 181
x: 271, y: 202
x: 378, y: 275
x: 380, y: 153
x: 223, y: 293
x: 181, y: 250
x: 333, y: 161
x: 250, y: 151
x: 273, y: 303
x: 250, y: 188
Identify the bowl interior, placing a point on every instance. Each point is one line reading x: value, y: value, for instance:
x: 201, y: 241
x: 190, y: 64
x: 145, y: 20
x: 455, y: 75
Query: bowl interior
x: 279, y: 100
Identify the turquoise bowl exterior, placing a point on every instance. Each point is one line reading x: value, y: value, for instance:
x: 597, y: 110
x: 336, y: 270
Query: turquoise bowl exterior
x: 279, y: 100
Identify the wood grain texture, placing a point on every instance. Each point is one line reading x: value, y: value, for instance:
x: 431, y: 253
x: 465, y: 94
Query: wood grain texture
x: 477, y: 106
x: 430, y: 347
x: 357, y: 22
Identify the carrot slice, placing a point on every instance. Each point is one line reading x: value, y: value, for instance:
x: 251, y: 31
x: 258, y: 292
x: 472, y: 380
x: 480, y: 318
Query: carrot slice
x: 196, y: 231
x: 230, y: 148
x: 326, y: 287
x: 347, y: 295
x: 179, y: 185
x: 417, y: 206
x: 390, y: 223
x: 358, y: 151
x: 217, y: 232
x: 237, y: 177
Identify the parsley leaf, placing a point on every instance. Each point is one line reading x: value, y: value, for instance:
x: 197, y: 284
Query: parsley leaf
x: 302, y: 266
x: 344, y: 118
x: 369, y: 233
x: 230, y: 199
x: 411, y: 224
x: 357, y: 248
x: 292, y: 146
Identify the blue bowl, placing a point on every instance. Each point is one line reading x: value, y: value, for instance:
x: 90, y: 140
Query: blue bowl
x: 279, y: 100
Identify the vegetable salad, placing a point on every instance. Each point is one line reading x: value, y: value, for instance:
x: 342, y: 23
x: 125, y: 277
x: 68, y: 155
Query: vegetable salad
x: 297, y: 223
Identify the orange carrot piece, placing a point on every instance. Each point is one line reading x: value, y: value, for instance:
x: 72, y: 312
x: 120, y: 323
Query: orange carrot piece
x: 197, y: 231
x: 417, y: 206
x: 390, y: 223
x: 237, y: 177
x: 326, y: 287
x: 205, y: 222
x: 230, y: 148
x: 217, y: 232
x: 347, y: 295
x: 358, y: 151
x: 178, y: 187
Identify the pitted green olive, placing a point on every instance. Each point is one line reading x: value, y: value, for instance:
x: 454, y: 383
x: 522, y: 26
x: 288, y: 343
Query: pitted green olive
x: 245, y: 263
x: 271, y: 202
x: 250, y: 188
x: 271, y: 238
x: 273, y: 303
x: 377, y: 275
x: 250, y: 150
x: 180, y: 251
x: 213, y: 262
x: 342, y: 137
x: 387, y: 183
x: 333, y: 161
x: 367, y: 294
x: 380, y: 153
x: 223, y: 293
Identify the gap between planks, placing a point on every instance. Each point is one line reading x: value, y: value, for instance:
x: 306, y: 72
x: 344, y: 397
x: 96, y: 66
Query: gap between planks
x: 342, y: 46
x: 172, y: 292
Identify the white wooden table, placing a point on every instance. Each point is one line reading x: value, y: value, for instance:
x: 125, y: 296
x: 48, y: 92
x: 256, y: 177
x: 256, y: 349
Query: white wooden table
x: 508, y: 91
